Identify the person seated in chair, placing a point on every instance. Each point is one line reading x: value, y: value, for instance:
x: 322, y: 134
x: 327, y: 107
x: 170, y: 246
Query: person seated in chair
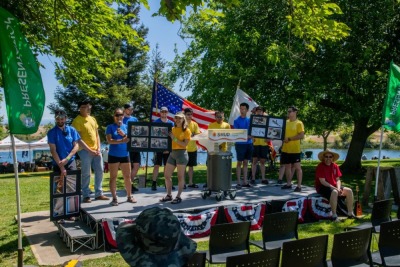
x: 328, y: 185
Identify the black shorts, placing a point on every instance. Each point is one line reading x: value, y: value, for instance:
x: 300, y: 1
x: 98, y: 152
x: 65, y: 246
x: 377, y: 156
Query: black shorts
x: 290, y: 158
x: 326, y: 191
x: 134, y: 157
x: 192, y: 159
x: 261, y: 152
x: 161, y: 158
x: 112, y: 159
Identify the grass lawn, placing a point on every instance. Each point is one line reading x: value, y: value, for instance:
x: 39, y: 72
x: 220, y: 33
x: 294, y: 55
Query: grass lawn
x: 34, y: 189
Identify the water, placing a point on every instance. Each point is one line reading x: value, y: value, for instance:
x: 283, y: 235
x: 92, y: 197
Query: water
x: 201, y: 156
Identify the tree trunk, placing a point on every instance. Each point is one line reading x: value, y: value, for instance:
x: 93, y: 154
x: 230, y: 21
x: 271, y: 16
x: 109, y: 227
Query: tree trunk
x: 352, y: 163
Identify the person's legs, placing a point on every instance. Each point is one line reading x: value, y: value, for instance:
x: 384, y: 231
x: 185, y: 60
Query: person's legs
x: 245, y: 167
x: 126, y: 173
x: 155, y: 172
x: 113, y: 179
x: 262, y: 168
x: 333, y: 202
x: 169, y: 170
x: 254, y: 168
x: 135, y: 170
x: 299, y: 173
x: 238, y: 171
x: 288, y: 174
x: 181, y: 178
x: 86, y: 160
x: 348, y: 193
x: 97, y: 165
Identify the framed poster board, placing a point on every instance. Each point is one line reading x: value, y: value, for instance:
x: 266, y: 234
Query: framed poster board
x: 149, y: 136
x: 65, y: 195
x: 267, y: 127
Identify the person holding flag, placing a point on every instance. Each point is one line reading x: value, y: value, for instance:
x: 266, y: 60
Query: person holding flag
x: 244, y: 150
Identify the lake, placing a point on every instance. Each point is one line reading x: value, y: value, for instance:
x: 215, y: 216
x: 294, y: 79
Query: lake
x: 201, y: 156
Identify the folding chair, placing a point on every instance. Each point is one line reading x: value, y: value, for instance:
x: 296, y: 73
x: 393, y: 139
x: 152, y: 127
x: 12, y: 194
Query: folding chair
x: 389, y: 245
x: 266, y: 258
x: 278, y: 228
x: 228, y: 239
x: 352, y: 248
x: 197, y: 260
x: 308, y: 252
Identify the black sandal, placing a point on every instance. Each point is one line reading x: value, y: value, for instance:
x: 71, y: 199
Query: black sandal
x: 166, y: 198
x: 177, y: 200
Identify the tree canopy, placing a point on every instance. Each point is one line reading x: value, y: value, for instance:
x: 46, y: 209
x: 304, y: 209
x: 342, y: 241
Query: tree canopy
x: 341, y: 73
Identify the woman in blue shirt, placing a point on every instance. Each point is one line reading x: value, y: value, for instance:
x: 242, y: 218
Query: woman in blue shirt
x: 118, y: 156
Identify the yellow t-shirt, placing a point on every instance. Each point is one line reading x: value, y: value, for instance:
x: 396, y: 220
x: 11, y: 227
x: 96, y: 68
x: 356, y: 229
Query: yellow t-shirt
x: 292, y: 128
x: 194, y: 128
x: 259, y: 142
x: 87, y: 128
x: 181, y: 135
x: 223, y: 125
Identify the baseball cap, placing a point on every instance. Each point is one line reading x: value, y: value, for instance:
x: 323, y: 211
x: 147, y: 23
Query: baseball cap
x: 59, y: 113
x: 126, y: 106
x: 164, y: 109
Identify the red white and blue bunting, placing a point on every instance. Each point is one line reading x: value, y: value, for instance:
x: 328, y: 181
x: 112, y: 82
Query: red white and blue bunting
x: 320, y: 208
x: 199, y: 224
x: 253, y: 213
x: 110, y: 226
x: 299, y: 205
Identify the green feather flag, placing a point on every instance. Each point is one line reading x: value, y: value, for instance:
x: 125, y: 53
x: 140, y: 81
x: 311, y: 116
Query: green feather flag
x: 391, y: 111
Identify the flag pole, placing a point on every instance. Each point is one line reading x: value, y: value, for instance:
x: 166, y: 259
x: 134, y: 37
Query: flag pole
x: 20, y: 251
x: 379, y: 165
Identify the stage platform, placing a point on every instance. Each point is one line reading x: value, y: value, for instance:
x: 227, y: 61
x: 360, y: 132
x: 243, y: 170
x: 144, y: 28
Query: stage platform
x: 191, y: 200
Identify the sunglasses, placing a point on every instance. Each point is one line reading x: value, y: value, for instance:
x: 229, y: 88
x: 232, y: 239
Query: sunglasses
x: 118, y: 115
x: 328, y: 157
x: 218, y: 117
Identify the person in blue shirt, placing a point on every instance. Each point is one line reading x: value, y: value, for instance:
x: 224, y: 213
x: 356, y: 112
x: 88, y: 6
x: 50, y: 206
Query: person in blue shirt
x: 133, y: 155
x: 118, y: 156
x: 63, y: 142
x: 161, y: 157
x: 244, y: 150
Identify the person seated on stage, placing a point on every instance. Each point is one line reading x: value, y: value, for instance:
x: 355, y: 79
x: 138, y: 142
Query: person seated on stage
x: 155, y: 239
x: 328, y: 185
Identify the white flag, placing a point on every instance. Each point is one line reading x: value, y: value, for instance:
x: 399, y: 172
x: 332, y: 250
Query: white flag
x: 240, y: 97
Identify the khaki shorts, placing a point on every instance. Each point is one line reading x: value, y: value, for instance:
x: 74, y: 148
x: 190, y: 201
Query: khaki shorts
x: 178, y: 157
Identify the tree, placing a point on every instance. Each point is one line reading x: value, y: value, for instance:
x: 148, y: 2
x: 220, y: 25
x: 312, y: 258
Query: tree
x: 255, y: 44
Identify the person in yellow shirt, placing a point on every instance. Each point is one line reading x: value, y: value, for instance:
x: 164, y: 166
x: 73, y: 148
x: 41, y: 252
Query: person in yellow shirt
x: 291, y: 151
x: 261, y: 153
x: 178, y: 158
x: 192, y: 146
x: 89, y: 153
x: 220, y: 124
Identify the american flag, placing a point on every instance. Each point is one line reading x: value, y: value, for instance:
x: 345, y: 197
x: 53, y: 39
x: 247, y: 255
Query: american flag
x: 163, y: 97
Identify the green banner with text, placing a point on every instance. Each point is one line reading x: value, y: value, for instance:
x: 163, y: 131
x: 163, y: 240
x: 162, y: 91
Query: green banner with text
x: 23, y: 87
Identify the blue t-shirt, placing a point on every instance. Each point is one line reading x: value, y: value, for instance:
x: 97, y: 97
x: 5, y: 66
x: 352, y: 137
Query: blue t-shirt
x: 117, y: 150
x: 242, y: 123
x: 125, y: 120
x: 63, y: 140
x: 168, y: 121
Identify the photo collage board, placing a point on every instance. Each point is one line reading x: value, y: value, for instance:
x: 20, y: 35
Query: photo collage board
x: 149, y: 137
x: 268, y: 127
x: 65, y: 195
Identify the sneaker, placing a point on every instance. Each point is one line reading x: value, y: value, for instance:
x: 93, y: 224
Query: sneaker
x: 265, y: 181
x: 335, y: 218
x: 238, y: 186
x: 246, y: 185
x: 87, y: 200
x: 114, y: 202
x: 193, y: 186
x: 154, y: 186
x: 297, y: 189
x: 253, y: 181
x: 134, y: 188
x: 280, y: 181
x: 286, y: 186
x: 184, y: 186
x: 102, y: 197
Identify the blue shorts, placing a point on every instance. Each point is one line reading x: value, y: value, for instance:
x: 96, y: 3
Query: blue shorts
x: 244, y: 151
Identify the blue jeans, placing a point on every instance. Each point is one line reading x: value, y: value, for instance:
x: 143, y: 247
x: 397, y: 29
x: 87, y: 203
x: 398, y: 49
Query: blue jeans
x: 87, y: 162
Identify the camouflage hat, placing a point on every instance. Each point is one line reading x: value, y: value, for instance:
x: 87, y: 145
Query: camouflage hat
x: 156, y: 239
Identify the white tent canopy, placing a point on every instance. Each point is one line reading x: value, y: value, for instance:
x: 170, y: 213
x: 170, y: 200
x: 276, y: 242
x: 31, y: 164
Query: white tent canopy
x: 5, y: 144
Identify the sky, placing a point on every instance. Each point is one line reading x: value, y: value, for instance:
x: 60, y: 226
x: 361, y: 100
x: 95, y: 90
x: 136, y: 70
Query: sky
x: 161, y: 32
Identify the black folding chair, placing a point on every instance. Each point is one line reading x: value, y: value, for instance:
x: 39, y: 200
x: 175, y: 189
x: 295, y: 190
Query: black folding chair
x: 228, y: 239
x: 277, y: 228
x: 266, y: 258
x: 197, y: 260
x: 308, y: 252
x: 352, y: 248
x: 389, y: 245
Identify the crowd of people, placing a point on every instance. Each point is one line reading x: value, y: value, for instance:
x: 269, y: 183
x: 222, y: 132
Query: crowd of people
x: 82, y: 138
